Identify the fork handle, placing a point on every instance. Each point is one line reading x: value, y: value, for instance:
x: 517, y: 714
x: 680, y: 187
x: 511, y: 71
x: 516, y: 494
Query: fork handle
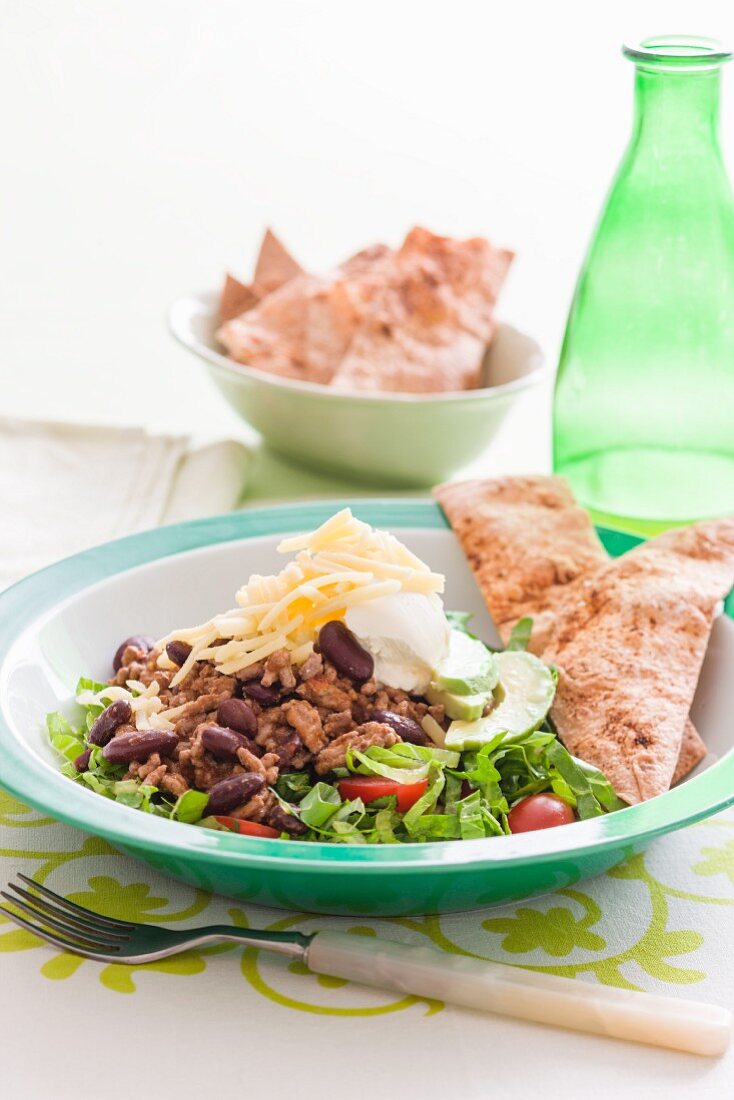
x: 525, y: 994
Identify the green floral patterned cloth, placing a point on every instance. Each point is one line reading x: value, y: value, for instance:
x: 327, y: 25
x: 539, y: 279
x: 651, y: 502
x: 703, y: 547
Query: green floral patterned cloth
x: 663, y: 921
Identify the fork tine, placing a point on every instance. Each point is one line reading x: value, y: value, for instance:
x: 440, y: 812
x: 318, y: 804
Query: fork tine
x: 73, y: 922
x: 50, y: 937
x: 79, y: 909
x: 59, y: 926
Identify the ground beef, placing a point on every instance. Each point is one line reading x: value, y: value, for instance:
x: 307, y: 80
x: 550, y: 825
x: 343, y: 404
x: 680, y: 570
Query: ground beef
x: 266, y: 766
x: 257, y: 808
x: 204, y: 681
x: 312, y: 666
x: 320, y: 691
x: 306, y: 721
x: 361, y: 738
x: 320, y: 715
x: 201, y: 769
x: 278, y: 669
x: 341, y: 722
x: 142, y: 666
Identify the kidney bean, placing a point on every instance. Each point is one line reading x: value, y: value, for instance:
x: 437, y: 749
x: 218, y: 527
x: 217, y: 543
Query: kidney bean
x: 265, y: 696
x: 115, y: 715
x: 287, y: 749
x: 280, y: 819
x: 235, y: 714
x: 339, y: 645
x: 178, y: 652
x: 138, y: 745
x: 232, y: 792
x: 140, y: 641
x: 224, y: 743
x: 406, y: 728
x: 82, y: 761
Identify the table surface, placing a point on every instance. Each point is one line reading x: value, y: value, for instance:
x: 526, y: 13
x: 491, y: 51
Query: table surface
x: 143, y: 149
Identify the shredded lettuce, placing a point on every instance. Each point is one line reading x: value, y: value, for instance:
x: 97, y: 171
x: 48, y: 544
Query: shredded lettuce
x: 67, y: 741
x: 468, y: 795
x: 189, y: 806
x: 399, y: 769
x: 293, y: 786
x: 520, y: 634
x: 320, y: 804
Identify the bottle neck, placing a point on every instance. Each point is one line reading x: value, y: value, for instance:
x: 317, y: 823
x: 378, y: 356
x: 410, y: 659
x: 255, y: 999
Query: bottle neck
x: 676, y: 110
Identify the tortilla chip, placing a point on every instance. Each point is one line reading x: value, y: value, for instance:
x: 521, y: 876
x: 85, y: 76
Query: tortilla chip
x: 299, y: 331
x: 428, y: 315
x: 692, y: 752
x: 365, y: 261
x: 526, y: 540
x: 529, y: 543
x: 236, y: 298
x: 275, y: 266
x: 629, y: 642
x: 415, y: 320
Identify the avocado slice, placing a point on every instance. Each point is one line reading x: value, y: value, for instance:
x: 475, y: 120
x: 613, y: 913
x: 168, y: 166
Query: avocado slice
x: 528, y: 686
x: 468, y: 668
x: 465, y: 707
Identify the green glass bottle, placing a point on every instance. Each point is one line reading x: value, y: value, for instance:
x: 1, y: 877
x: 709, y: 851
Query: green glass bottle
x: 643, y: 422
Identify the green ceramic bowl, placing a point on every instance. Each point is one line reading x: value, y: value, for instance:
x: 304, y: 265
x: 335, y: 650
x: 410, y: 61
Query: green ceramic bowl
x: 393, y: 439
x: 69, y: 619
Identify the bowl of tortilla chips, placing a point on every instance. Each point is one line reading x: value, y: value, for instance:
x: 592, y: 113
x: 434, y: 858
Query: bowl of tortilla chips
x: 391, y: 369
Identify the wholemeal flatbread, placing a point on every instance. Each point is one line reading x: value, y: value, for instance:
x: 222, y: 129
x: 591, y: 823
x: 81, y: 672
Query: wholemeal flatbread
x: 629, y: 642
x: 236, y: 298
x: 529, y: 543
x: 273, y: 269
x: 299, y: 331
x: 413, y: 320
x: 526, y: 540
x: 428, y: 316
x: 275, y: 266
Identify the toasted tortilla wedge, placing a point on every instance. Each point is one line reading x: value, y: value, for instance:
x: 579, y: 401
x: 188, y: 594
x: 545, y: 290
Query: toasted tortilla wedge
x: 236, y: 298
x: 275, y: 266
x: 528, y: 543
x: 427, y: 316
x: 299, y: 331
x: 629, y: 642
x: 415, y: 320
x: 526, y: 539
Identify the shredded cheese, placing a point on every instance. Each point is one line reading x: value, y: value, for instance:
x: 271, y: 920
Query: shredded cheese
x: 341, y: 564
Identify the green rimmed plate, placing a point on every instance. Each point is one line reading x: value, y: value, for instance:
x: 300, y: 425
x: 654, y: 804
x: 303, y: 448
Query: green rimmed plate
x: 68, y: 620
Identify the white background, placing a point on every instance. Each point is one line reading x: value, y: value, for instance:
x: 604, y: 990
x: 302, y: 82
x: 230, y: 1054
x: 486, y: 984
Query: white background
x: 144, y: 145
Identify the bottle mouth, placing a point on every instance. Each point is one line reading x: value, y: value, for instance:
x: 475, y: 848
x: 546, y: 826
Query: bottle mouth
x: 678, y: 51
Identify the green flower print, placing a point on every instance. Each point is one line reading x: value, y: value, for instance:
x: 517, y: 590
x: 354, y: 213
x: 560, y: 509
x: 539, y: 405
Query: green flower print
x: 111, y: 899
x: 556, y: 932
x: 720, y: 861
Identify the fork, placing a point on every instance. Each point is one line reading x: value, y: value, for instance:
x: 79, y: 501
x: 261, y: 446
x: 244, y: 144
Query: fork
x: 420, y: 970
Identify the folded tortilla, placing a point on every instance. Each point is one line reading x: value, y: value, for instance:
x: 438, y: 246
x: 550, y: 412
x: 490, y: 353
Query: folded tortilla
x: 526, y: 539
x: 417, y: 319
x: 629, y: 642
x: 236, y: 298
x: 274, y: 267
x: 529, y: 543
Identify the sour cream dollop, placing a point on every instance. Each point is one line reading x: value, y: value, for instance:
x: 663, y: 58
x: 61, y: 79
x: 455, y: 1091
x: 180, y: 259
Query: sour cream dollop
x: 407, y: 635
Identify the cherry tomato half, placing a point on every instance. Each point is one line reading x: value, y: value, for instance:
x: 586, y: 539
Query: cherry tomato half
x: 371, y: 787
x: 539, y: 811
x: 249, y: 828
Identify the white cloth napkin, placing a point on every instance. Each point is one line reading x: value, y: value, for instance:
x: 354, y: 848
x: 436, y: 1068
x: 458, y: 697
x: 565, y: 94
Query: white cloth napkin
x: 64, y: 487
